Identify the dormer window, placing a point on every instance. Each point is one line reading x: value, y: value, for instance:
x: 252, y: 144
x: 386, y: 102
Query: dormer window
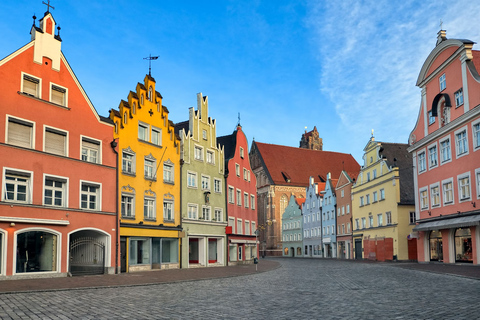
x: 58, y: 95
x: 125, y: 116
x: 31, y: 86
x: 150, y: 95
x: 443, y: 82
x: 141, y: 99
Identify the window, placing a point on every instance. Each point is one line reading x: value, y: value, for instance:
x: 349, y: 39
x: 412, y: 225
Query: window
x: 412, y: 217
x: 20, y: 133
x: 245, y: 200
x: 31, y: 86
x: 464, y: 187
x: 206, y: 213
x: 382, y: 194
x: 432, y: 156
x: 364, y: 223
x: 191, y: 179
x: 90, y: 196
x: 192, y: 211
x: 477, y: 174
x: 389, y: 217
x: 231, y: 223
x: 423, y: 199
x: 248, y: 175
x: 205, y: 182
x: 339, y: 211
x: 58, y: 95
x: 368, y: 176
x: 348, y: 208
x: 247, y: 227
x: 370, y: 221
x: 204, y: 134
x: 139, y: 252
x: 252, y: 201
x: 374, y: 173
x: 380, y: 219
x: 254, y: 227
x: 239, y: 226
x: 435, y: 195
x: 168, y: 211
x: 149, y: 167
x: 241, y: 153
x: 476, y: 135
x: 447, y: 186
x: 367, y: 198
x: 210, y: 157
x: 156, y: 136
x: 55, y: 141
x: 134, y: 107
x: 141, y: 99
x: 245, y: 177
x: 431, y: 118
x: 375, y: 196
x: 445, y: 154
x: 128, y: 161
x: 55, y: 192
x: 342, y: 193
x: 128, y: 206
x: 357, y: 224
x: 90, y: 150
x: 443, y: 82
x: 421, y: 162
x: 17, y: 187
x: 150, y: 95
x: 143, y: 131
x: 461, y: 142
x: 361, y: 201
x: 125, y: 117
x: 168, y: 172
x: 231, y: 196
x: 348, y: 227
x: 237, y: 169
x: 459, y: 98
x: 217, y: 185
x: 239, y: 197
x: 198, y: 153
x: 218, y: 215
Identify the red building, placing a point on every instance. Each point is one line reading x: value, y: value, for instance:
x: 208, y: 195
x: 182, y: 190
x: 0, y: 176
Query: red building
x: 445, y: 145
x: 241, y: 188
x: 58, y: 169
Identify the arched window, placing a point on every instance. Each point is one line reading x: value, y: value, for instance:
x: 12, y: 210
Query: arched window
x: 134, y: 107
x: 283, y: 203
x: 150, y: 95
x: 116, y: 126
x: 125, y: 116
x: 36, y: 252
x: 141, y: 99
x: 436, y: 246
x: 463, y: 245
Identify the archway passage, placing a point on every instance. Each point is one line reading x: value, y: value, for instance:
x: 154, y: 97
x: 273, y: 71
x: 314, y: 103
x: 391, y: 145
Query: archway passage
x: 87, y: 253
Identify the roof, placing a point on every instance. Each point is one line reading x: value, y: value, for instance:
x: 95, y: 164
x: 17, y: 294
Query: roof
x: 297, y: 165
x: 181, y: 125
x: 300, y: 201
x: 229, y: 144
x: 116, y: 113
x: 150, y: 78
x: 396, y: 155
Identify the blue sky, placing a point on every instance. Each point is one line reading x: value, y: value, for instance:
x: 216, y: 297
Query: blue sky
x: 344, y: 66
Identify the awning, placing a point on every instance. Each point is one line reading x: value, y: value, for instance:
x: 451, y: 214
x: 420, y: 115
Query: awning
x: 451, y: 223
x: 252, y: 242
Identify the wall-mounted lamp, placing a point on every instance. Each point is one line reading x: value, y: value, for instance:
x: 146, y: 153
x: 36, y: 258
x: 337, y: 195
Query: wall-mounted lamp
x: 429, y: 212
x: 474, y: 204
x: 12, y: 224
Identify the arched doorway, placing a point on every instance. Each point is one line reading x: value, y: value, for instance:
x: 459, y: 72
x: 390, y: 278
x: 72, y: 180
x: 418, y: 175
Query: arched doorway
x: 436, y: 246
x: 87, y: 251
x: 463, y: 245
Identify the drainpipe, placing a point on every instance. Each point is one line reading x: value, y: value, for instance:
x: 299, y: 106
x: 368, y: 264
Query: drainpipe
x: 114, y: 144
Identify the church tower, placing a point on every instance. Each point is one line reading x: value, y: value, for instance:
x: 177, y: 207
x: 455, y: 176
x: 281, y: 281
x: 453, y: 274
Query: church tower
x: 311, y: 140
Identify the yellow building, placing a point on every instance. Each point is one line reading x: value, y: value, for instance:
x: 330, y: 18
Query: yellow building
x: 383, y: 207
x: 148, y: 181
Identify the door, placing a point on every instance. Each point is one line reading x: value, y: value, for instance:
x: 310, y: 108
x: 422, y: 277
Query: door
x: 212, y: 250
x: 358, y: 249
x: 123, y: 255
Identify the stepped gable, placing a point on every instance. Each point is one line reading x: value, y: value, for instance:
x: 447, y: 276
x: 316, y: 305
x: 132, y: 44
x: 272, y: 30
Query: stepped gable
x: 295, y: 166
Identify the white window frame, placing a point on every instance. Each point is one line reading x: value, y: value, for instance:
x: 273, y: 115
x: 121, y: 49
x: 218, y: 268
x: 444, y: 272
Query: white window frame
x: 205, y: 181
x: 380, y: 219
x: 477, y: 178
x: 422, y: 161
x: 431, y: 118
x: 239, y: 223
x: 158, y: 134
x: 444, y: 198
x: 168, y: 172
x: 245, y: 175
x: 458, y: 97
x: 441, y: 153
x: 58, y: 132
x: 61, y: 88
x: 192, y: 174
x: 193, y: 215
x: 91, y: 141
x: 146, y: 128
x: 198, y: 152
x: 460, y: 177
x: 388, y: 218
x: 63, y: 189
x: 423, y: 196
x: 237, y: 169
x: 246, y: 231
x: 218, y: 214
x: 239, y: 197
x: 231, y: 223
x: 382, y: 194
x: 98, y: 194
x: 131, y: 196
x: 231, y: 194
x: 252, y: 201
x: 39, y: 85
x: 28, y: 175
x: 24, y: 122
x: 210, y: 157
x: 242, y: 153
x: 206, y: 213
x: 464, y: 129
x: 442, y: 82
x: 149, y: 164
x: 168, y: 203
x: 204, y: 134
x: 217, y: 185
x: 375, y: 196
x: 432, y: 195
x: 432, y: 158
x: 476, y: 135
x: 246, y: 199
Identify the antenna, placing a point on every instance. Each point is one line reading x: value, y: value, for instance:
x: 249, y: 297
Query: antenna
x: 150, y: 58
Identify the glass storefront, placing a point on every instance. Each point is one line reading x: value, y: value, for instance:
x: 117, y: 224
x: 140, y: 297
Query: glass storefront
x: 36, y: 252
x: 169, y: 250
x: 162, y: 251
x: 436, y: 246
x: 232, y: 252
x: 463, y: 245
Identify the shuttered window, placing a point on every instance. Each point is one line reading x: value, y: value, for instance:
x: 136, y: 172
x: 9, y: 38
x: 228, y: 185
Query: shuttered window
x: 55, y: 142
x: 30, y: 85
x: 90, y: 151
x: 58, y: 95
x: 20, y: 133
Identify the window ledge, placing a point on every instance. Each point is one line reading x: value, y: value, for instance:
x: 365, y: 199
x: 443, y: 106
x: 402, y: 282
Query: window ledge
x: 128, y: 218
x: 149, y: 143
x: 131, y: 174
x: 38, y: 99
x: 150, y: 219
x: 151, y: 179
x: 169, y: 182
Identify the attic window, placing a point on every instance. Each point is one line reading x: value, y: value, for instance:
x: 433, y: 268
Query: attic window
x: 286, y: 177
x: 31, y: 86
x: 58, y: 95
x: 150, y: 95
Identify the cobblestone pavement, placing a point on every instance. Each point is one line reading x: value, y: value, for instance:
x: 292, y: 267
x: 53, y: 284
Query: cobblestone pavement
x: 299, y: 289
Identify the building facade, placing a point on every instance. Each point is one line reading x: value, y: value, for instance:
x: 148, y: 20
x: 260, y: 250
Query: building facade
x: 311, y: 140
x: 343, y: 191
x: 312, y: 220
x: 148, y: 181
x: 203, y: 207
x: 58, y: 212
x: 292, y: 226
x: 241, y: 192
x: 445, y: 145
x: 382, y: 204
x: 284, y: 171
x: 329, y: 219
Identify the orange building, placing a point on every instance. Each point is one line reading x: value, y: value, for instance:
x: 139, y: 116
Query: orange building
x: 445, y: 145
x: 58, y: 169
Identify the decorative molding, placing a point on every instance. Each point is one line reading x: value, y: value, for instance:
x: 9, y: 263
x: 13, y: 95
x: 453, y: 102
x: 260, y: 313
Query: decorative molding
x: 128, y: 188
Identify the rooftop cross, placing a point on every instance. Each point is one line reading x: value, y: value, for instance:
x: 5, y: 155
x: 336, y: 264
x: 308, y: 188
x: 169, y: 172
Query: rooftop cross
x: 48, y: 5
x: 441, y: 24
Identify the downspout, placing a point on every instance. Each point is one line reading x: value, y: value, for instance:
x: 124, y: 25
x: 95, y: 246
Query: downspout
x: 114, y: 144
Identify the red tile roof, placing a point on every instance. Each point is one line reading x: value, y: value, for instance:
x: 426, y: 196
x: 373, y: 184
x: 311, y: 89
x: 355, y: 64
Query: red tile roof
x: 300, y: 201
x: 298, y: 164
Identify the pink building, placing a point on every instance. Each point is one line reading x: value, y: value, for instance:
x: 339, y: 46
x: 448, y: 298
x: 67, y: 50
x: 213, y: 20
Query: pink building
x: 241, y: 188
x: 58, y: 169
x: 445, y: 145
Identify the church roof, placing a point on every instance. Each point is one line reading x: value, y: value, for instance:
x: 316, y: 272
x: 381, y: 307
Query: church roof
x: 294, y: 166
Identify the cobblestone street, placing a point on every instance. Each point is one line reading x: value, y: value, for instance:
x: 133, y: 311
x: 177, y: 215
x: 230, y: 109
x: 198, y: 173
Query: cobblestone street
x: 299, y: 289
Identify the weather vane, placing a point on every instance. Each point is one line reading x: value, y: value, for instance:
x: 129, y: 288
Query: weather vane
x: 238, y: 118
x: 441, y: 24
x: 150, y: 58
x: 48, y: 5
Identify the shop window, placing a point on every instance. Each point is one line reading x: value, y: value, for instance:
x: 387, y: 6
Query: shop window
x: 436, y: 246
x: 139, y: 251
x: 36, y: 252
x: 463, y: 245
x: 169, y: 250
x: 232, y: 252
